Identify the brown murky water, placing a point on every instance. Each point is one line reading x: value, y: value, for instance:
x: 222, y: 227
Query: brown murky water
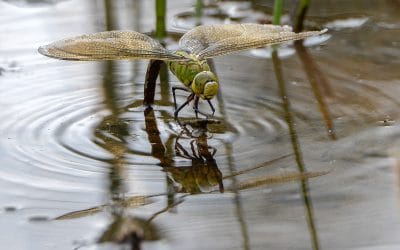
x: 310, y: 163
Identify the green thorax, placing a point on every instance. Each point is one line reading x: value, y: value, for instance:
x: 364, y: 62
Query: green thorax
x: 185, y: 71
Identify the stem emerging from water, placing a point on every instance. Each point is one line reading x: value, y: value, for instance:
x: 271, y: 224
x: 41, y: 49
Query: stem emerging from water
x: 293, y: 133
x: 300, y: 15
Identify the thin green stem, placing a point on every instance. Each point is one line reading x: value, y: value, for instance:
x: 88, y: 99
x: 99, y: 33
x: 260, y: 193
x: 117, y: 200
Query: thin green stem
x: 278, y: 9
x: 297, y: 149
x: 161, y: 10
x: 199, y: 8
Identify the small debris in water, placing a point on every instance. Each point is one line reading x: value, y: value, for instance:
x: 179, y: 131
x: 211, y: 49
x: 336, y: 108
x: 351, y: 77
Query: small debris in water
x: 387, y: 121
x: 10, y: 209
x: 9, y: 67
x: 39, y: 218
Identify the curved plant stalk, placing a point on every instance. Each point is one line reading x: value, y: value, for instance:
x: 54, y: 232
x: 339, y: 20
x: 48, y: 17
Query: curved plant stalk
x: 319, y: 84
x: 296, y: 145
x: 297, y: 150
x: 153, y: 69
x: 299, y: 15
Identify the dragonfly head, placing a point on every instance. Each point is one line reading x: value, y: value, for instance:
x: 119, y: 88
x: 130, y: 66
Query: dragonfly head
x: 205, y: 84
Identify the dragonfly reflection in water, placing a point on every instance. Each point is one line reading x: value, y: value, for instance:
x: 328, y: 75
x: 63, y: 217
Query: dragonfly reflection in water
x: 189, y: 63
x: 202, y: 174
x: 199, y: 175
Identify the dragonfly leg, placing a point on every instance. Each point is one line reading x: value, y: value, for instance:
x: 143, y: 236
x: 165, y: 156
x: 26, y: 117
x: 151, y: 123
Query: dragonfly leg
x: 189, y: 99
x: 197, y: 156
x: 212, y: 107
x: 196, y: 106
x: 213, y: 149
x: 174, y: 88
x: 179, y: 150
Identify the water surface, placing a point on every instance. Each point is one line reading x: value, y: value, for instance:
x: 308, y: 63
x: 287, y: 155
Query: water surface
x: 75, y: 135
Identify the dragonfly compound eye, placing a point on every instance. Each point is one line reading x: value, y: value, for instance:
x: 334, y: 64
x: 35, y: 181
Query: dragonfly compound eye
x: 210, y: 90
x: 205, y: 84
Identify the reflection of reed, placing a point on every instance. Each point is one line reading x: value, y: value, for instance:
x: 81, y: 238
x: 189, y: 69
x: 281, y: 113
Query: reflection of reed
x: 112, y: 124
x: 229, y: 151
x: 123, y: 229
x: 296, y: 148
x: 293, y: 133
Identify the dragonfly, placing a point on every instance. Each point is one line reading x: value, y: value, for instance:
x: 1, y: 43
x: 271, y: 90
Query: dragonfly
x: 189, y: 63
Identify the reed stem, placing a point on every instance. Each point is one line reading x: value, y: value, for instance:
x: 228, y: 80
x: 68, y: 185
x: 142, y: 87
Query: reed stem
x: 161, y: 10
x: 277, y: 13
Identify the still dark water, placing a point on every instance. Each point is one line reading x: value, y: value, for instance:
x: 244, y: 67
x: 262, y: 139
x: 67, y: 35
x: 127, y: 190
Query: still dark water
x: 313, y: 163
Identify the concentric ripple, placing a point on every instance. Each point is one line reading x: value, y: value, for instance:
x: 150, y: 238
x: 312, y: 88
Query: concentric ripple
x: 42, y: 126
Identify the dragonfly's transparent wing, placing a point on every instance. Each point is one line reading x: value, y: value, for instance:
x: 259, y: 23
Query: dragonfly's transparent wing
x: 214, y: 40
x: 108, y: 45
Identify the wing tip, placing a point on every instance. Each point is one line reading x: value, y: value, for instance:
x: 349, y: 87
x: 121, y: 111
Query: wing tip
x: 323, y: 31
x: 49, y: 51
x: 314, y: 32
x: 43, y: 50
